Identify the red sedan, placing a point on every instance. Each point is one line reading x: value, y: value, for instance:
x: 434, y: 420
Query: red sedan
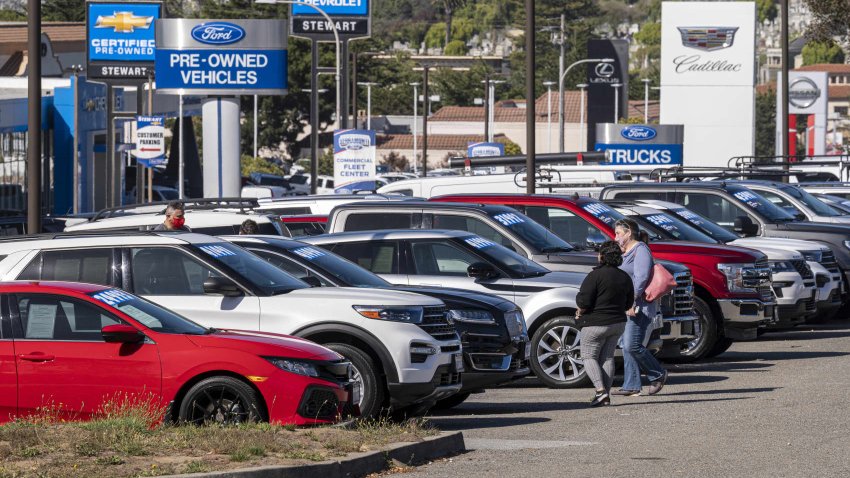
x: 72, y: 347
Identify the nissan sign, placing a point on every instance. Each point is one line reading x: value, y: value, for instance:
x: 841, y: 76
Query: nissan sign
x: 803, y: 92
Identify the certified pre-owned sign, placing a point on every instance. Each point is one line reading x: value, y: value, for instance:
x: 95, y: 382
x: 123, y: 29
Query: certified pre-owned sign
x: 221, y: 56
x: 120, y: 39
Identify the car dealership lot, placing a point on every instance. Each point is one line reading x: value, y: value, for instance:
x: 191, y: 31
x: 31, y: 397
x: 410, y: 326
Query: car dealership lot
x: 773, y: 407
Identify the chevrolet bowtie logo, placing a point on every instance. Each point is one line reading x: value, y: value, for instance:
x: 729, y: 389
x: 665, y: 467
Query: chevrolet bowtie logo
x: 123, y: 22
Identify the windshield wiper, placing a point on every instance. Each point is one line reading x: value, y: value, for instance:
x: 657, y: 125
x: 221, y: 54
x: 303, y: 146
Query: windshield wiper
x: 548, y: 249
x: 210, y: 331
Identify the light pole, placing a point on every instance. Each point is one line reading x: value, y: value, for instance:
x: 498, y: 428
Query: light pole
x: 415, y: 86
x: 616, y: 87
x: 368, y: 85
x: 646, y: 82
x: 561, y: 99
x: 548, y: 85
x: 491, y: 117
x: 582, y: 132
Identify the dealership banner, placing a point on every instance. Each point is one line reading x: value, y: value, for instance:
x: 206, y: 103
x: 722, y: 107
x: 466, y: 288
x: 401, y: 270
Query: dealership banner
x: 221, y: 57
x: 600, y: 80
x: 120, y: 40
x: 354, y: 160
x: 483, y: 150
x: 351, y: 19
x: 639, y: 144
x: 708, y: 64
x: 808, y: 95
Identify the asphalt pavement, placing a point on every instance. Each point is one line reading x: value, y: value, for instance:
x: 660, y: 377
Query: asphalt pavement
x: 774, y: 407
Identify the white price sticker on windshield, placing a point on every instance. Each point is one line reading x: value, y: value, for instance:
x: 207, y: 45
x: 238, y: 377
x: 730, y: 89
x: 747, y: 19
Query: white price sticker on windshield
x: 745, y: 196
x: 659, y: 219
x: 217, y: 251
x: 308, y: 253
x: 479, y: 242
x: 113, y: 297
x: 508, y: 219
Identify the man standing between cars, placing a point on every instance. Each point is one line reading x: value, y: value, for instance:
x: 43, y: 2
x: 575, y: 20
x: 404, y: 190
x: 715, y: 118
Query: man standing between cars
x: 175, y: 218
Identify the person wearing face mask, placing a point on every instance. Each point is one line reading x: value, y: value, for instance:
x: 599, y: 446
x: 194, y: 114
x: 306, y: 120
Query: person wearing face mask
x: 603, y: 299
x: 637, y: 263
x: 175, y: 218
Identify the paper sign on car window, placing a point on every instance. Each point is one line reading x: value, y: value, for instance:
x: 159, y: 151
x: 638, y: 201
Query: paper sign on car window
x: 479, y: 242
x: 308, y: 253
x: 41, y: 319
x: 217, y: 251
x: 508, y: 218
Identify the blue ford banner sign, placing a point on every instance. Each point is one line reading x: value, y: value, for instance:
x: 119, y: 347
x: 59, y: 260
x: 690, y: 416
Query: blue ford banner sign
x: 354, y: 160
x: 120, y: 39
x: 217, y: 57
x: 483, y: 150
x: 358, y: 8
x: 633, y: 145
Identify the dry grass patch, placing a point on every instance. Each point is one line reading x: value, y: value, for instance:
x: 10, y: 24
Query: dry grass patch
x: 129, y: 441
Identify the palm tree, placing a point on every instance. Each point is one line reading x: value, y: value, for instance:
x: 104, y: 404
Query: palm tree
x: 448, y: 7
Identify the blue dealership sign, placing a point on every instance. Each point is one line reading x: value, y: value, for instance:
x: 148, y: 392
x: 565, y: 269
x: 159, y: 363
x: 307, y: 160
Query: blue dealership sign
x: 642, y: 154
x: 333, y: 7
x: 638, y: 133
x: 120, y: 38
x: 218, y: 33
x: 483, y: 150
x: 208, y: 70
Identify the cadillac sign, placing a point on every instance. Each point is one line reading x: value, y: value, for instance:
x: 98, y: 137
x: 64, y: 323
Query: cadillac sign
x: 708, y: 38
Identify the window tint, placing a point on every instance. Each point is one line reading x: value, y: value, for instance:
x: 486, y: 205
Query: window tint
x: 287, y: 265
x: 379, y: 257
x: 714, y: 207
x: 563, y: 223
x: 51, y: 317
x: 379, y: 221
x: 777, y: 199
x: 168, y: 271
x: 474, y: 225
x: 299, y: 229
x: 329, y: 183
x: 90, y: 265
x: 633, y: 195
x: 439, y: 258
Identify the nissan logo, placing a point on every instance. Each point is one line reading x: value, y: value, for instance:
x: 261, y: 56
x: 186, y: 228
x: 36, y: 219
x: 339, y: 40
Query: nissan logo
x: 803, y: 92
x: 605, y: 70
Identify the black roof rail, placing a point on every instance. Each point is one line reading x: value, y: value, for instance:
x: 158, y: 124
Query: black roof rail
x: 240, y: 203
x: 683, y: 173
x: 72, y: 235
x: 791, y: 160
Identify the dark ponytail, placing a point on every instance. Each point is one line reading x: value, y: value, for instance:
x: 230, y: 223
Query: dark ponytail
x: 632, y: 226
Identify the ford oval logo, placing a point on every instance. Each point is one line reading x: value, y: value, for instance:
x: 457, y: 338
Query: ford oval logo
x: 638, y: 133
x: 218, y: 33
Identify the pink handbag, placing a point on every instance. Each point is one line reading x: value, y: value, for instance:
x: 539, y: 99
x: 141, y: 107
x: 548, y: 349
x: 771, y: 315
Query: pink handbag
x: 661, y: 283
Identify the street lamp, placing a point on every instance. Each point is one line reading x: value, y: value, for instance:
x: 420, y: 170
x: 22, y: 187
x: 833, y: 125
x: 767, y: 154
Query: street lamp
x: 491, y: 108
x: 616, y: 87
x: 582, y: 133
x: 646, y: 82
x: 368, y: 85
x: 561, y: 99
x: 548, y: 85
x: 415, y: 86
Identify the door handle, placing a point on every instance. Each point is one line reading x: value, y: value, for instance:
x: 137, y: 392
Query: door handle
x: 36, y: 357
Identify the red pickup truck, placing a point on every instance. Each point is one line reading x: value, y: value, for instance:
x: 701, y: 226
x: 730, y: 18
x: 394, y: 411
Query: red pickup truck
x: 732, y: 285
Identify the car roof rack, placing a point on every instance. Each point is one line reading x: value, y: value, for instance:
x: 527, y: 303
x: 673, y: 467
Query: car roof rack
x: 699, y: 173
x: 242, y: 204
x: 49, y: 236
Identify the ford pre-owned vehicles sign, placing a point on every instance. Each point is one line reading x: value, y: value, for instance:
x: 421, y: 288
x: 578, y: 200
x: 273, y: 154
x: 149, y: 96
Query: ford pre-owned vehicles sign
x: 218, y: 33
x: 638, y: 133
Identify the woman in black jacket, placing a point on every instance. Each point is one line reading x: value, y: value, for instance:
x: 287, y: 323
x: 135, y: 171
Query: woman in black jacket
x: 605, y: 296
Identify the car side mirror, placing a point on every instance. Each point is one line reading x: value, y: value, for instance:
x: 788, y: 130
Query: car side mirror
x: 221, y: 286
x: 595, y: 240
x: 482, y: 270
x: 121, y: 334
x: 745, y: 226
x: 312, y: 281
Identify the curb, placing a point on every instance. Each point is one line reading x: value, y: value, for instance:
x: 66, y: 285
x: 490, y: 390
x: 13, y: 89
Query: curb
x: 356, y: 465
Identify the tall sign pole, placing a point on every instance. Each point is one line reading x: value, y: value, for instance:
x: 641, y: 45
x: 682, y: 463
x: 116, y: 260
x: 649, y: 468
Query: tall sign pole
x: 783, y: 104
x: 34, y: 119
x: 530, y: 119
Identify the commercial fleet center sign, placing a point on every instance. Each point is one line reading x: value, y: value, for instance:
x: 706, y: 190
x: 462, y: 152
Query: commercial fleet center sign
x: 220, y: 57
x: 708, y: 77
x: 354, y: 160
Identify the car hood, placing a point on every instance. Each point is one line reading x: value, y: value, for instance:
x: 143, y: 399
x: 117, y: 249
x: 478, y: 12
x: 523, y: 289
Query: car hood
x: 722, y: 252
x: 450, y: 295
x: 265, y: 344
x: 554, y: 279
x: 361, y: 296
x: 779, y: 243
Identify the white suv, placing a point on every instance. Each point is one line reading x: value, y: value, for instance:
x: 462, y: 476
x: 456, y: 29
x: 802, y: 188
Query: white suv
x: 398, y: 342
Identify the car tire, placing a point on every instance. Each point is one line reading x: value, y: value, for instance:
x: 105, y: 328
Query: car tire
x: 220, y: 400
x: 706, y: 330
x: 367, y: 374
x: 452, y: 401
x: 555, y: 354
x: 720, y: 346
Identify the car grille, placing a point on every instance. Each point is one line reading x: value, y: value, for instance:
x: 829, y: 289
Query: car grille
x: 766, y: 293
x: 811, y: 303
x: 681, y: 300
x: 434, y: 322
x: 449, y: 379
x: 319, y: 403
x: 758, y: 277
x: 803, y: 268
x: 828, y: 261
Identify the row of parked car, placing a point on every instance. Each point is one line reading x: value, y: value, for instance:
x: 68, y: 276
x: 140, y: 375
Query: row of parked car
x: 421, y: 302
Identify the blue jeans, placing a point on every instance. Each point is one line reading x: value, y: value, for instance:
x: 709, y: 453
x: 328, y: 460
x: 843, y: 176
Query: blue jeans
x: 635, y: 356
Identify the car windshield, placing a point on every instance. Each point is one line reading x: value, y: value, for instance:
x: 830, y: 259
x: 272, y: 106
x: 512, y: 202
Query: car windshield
x: 704, y: 225
x: 148, y: 314
x: 169, y: 194
x: 819, y: 207
x: 760, y: 205
x: 298, y: 179
x: 347, y: 273
x: 251, y: 268
x: 671, y: 227
x: 504, y: 257
x: 531, y: 232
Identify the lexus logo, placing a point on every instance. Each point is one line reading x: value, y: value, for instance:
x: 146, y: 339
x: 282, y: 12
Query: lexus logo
x: 605, y: 70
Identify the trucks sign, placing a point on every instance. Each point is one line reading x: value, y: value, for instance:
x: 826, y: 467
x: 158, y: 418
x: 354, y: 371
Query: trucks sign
x: 221, y: 56
x: 120, y: 39
x: 635, y: 145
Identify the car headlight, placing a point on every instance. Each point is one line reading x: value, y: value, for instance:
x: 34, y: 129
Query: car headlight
x: 737, y: 275
x: 781, y: 266
x: 471, y: 316
x: 411, y: 315
x: 515, y: 322
x: 299, y: 367
x: 814, y: 256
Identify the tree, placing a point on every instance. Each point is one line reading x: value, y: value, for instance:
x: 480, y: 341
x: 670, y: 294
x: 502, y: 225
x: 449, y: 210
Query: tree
x: 259, y: 165
x: 12, y: 15
x: 63, y: 11
x: 766, y: 10
x: 449, y: 7
x: 396, y: 162
x: 829, y: 18
x: 511, y: 148
x: 455, y: 48
x: 766, y: 123
x: 817, y: 52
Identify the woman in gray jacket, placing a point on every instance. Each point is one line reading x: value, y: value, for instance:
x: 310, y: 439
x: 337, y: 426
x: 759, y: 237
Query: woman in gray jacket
x: 638, y: 263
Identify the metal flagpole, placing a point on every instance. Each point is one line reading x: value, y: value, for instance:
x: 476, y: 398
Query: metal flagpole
x: 180, y: 149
